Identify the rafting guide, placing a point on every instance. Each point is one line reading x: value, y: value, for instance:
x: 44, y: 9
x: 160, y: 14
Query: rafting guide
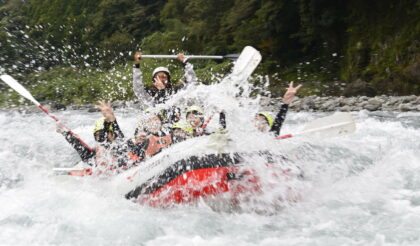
x: 162, y: 86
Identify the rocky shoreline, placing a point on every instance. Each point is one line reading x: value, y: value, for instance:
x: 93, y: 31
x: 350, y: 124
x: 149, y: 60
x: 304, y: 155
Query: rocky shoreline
x: 309, y: 104
x: 347, y: 104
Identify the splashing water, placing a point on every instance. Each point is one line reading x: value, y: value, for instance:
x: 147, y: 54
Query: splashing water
x: 360, y: 189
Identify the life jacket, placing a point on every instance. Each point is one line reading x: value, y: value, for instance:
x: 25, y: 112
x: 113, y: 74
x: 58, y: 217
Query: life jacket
x: 157, y: 143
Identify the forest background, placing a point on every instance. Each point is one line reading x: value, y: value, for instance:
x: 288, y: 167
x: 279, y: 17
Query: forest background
x: 76, y: 52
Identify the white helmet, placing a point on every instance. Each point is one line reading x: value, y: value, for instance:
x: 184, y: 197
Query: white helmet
x: 161, y: 69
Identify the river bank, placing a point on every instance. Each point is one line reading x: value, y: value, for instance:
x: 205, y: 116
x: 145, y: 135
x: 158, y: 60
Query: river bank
x: 309, y: 104
x: 347, y: 104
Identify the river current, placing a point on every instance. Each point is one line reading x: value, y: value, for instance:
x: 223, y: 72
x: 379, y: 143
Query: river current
x: 359, y: 189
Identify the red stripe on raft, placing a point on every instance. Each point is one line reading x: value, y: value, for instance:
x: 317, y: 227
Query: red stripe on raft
x: 192, y: 185
x: 189, y: 186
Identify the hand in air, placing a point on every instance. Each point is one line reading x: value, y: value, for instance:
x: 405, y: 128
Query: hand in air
x: 59, y: 127
x: 137, y: 57
x: 290, y: 93
x: 158, y: 83
x: 106, y: 110
x: 181, y: 57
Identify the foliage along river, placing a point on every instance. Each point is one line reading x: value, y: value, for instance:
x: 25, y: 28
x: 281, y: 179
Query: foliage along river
x: 359, y: 189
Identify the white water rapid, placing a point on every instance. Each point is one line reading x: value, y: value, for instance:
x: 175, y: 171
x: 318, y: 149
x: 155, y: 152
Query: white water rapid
x: 358, y: 189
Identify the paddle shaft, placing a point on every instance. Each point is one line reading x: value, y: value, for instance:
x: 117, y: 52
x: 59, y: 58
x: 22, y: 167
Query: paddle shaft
x: 205, y: 124
x: 175, y: 57
x: 207, y: 121
x: 316, y: 130
x: 68, y: 129
x: 233, y: 57
x: 9, y: 80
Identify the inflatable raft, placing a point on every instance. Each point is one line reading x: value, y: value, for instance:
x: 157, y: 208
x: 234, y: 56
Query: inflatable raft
x: 174, y: 177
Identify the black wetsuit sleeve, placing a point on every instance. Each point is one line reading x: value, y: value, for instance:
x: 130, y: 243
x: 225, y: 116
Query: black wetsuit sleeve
x: 84, y: 153
x: 222, y: 120
x: 280, y: 117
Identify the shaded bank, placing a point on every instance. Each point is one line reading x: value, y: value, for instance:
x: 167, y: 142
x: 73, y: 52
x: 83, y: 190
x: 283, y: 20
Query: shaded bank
x: 368, y: 47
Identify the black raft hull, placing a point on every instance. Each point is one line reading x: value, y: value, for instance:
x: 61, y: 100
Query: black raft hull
x: 207, y: 176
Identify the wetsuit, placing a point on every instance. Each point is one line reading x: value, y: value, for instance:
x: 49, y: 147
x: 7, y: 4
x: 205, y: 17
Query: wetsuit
x: 280, y: 117
x: 88, y: 155
x: 153, y: 96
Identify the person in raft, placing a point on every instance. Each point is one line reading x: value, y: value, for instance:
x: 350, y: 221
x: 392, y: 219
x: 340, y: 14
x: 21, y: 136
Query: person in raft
x: 151, y: 137
x: 109, y: 137
x: 181, y: 131
x: 264, y: 121
x: 195, y: 117
x: 163, y: 88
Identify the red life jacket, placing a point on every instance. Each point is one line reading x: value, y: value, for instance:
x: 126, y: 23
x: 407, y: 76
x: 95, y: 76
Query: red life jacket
x: 157, y: 143
x: 134, y: 157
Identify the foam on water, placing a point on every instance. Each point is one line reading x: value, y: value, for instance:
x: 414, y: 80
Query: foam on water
x: 360, y: 189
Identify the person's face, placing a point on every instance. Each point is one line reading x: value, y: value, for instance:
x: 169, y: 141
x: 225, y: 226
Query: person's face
x: 176, y: 117
x: 162, y: 77
x: 153, y: 124
x: 261, y: 123
x: 110, y: 136
x: 194, y: 121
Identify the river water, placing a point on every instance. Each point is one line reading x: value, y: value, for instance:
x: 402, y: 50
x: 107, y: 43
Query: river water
x: 359, y: 189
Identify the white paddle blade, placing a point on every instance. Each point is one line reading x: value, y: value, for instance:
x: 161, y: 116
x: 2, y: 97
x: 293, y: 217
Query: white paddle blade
x: 246, y: 63
x: 18, y: 88
x: 330, y: 126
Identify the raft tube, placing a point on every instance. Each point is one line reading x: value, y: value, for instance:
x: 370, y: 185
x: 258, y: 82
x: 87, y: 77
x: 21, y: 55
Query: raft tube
x: 200, y: 177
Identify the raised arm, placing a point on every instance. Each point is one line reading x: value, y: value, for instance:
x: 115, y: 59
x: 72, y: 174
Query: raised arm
x: 190, y: 76
x: 281, y: 115
x: 85, y: 154
x: 138, y: 86
x: 110, y: 119
x: 222, y: 119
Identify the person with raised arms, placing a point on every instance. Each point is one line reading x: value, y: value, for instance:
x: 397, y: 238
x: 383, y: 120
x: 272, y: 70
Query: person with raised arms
x: 163, y: 88
x: 108, y: 136
x: 264, y: 121
x: 150, y: 137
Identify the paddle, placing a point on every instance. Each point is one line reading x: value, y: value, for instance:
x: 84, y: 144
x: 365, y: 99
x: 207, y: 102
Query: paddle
x: 25, y: 93
x: 229, y: 57
x: 204, y: 126
x: 330, y: 126
x: 246, y: 63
